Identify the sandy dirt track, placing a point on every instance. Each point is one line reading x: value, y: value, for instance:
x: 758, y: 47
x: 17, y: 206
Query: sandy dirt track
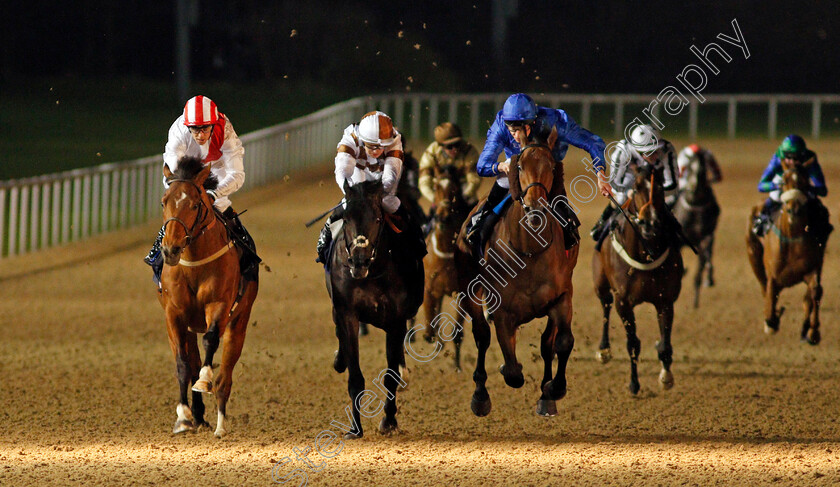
x: 90, y: 393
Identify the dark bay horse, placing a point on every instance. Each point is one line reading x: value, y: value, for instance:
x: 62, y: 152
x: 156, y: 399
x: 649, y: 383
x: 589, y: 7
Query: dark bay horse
x: 697, y: 210
x: 441, y: 275
x: 625, y: 273
x: 202, y: 291
x: 792, y: 252
x: 373, y: 279
x: 526, y: 273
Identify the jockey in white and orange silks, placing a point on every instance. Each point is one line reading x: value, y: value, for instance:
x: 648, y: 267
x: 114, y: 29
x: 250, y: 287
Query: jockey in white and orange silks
x: 371, y: 151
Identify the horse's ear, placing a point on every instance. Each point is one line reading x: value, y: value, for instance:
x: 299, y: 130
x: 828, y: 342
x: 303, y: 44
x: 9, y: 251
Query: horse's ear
x: 346, y: 186
x: 552, y: 138
x: 166, y: 172
x: 202, y: 176
x: 513, y: 177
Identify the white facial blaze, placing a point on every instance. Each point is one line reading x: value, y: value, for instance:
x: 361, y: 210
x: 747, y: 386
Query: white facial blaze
x: 181, y: 198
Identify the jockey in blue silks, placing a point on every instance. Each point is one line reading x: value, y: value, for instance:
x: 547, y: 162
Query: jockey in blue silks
x: 791, y: 150
x: 510, y: 130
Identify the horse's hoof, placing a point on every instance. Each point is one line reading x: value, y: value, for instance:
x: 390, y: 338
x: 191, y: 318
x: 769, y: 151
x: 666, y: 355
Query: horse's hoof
x: 203, y: 386
x: 604, y: 355
x: 387, y: 427
x: 666, y: 379
x: 353, y: 436
x: 813, y: 337
x: 555, y: 390
x: 769, y: 328
x: 480, y: 407
x: 634, y: 387
x: 709, y: 283
x: 546, y: 407
x: 513, y: 378
x: 183, y: 426
x: 338, y: 363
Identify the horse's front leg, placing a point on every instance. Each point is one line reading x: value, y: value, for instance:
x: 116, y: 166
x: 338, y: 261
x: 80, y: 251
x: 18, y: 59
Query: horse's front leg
x: 605, y: 296
x: 665, y: 315
x: 179, y: 344
x: 557, y: 339
x: 771, y: 298
x: 634, y: 345
x: 710, y: 267
x: 233, y: 338
x: 195, y: 366
x: 431, y: 308
x: 811, y: 303
x: 459, y: 338
x: 506, y: 335
x: 347, y: 330
x: 394, y: 353
x: 480, y: 403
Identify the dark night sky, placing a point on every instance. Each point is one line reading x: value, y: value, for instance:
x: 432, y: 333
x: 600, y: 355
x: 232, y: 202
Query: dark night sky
x: 375, y: 46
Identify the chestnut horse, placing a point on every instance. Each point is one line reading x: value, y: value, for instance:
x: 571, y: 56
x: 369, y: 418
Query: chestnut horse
x: 202, y: 291
x: 372, y: 278
x: 625, y: 273
x: 450, y: 211
x: 526, y: 273
x: 792, y: 252
x: 697, y: 211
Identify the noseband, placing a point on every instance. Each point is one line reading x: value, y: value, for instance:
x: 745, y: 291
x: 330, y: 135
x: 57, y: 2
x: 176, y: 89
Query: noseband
x: 362, y: 242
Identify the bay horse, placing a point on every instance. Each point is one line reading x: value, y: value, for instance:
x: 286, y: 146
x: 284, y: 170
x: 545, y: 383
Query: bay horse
x: 698, y: 211
x: 450, y: 211
x: 371, y: 278
x: 625, y: 273
x: 202, y: 291
x: 525, y: 273
x: 792, y: 252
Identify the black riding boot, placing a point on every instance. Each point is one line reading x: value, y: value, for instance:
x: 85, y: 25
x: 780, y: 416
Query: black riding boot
x: 325, y: 238
x: 249, y: 260
x: 599, y: 225
x: 478, y: 222
x: 765, y: 217
x: 155, y: 257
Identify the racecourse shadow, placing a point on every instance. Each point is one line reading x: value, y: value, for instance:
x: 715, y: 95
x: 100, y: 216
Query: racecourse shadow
x: 78, y: 260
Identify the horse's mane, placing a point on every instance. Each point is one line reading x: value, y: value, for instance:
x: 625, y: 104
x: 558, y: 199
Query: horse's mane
x: 188, y: 169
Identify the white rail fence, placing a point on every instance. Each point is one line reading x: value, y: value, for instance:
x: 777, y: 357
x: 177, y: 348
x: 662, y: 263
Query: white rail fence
x: 51, y: 210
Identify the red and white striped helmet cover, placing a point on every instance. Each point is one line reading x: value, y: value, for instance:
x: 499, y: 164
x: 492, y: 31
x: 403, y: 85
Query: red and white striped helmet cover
x: 200, y: 110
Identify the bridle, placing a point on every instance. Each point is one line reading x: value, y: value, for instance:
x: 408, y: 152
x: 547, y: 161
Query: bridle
x: 201, y: 215
x: 360, y: 241
x: 524, y: 191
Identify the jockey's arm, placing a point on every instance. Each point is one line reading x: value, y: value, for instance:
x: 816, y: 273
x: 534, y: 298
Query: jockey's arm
x: 427, y: 173
x: 232, y: 156
x: 472, y: 180
x: 670, y: 168
x: 817, y: 178
x: 766, y: 184
x: 391, y: 172
x: 715, y: 173
x: 176, y: 146
x: 345, y: 164
x: 487, y: 164
x: 594, y: 145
